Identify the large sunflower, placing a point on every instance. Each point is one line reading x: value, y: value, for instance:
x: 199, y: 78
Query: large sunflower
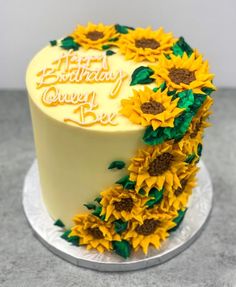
x: 118, y: 203
x: 94, y: 36
x: 156, y: 166
x: 183, y: 73
x: 93, y: 232
x: 147, y: 107
x: 145, y: 44
x: 178, y: 197
x: 152, y: 231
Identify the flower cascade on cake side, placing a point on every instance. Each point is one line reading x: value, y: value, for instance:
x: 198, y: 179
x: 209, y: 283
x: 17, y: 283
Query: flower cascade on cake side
x: 145, y: 206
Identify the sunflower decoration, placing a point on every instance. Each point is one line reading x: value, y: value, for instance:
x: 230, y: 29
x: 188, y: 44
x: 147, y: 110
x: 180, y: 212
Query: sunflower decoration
x: 190, y: 142
x: 153, y: 231
x: 94, y: 36
x: 156, y: 166
x: 145, y: 44
x: 147, y: 107
x: 178, y: 197
x: 119, y: 203
x: 93, y: 232
x: 183, y: 73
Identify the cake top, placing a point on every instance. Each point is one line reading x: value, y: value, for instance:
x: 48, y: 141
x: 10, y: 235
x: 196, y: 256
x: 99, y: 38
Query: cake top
x: 116, y: 78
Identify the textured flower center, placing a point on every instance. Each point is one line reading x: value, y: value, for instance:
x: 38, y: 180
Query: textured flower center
x: 125, y: 204
x: 152, y: 107
x: 147, y: 43
x: 148, y: 227
x: 95, y: 232
x: 180, y: 190
x: 160, y: 164
x: 197, y: 129
x: 181, y: 76
x: 94, y: 35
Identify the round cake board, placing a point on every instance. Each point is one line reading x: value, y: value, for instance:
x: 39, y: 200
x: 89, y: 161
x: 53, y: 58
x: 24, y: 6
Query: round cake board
x: 43, y: 226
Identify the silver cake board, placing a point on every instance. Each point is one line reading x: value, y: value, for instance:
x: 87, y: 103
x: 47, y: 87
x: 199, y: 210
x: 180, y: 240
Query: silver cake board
x: 43, y: 226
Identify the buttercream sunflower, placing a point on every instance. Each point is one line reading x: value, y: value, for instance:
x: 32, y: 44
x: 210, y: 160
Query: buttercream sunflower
x: 178, y: 197
x: 147, y: 107
x: 119, y: 203
x: 183, y: 73
x: 94, y: 36
x: 145, y: 44
x: 152, y: 231
x: 193, y: 137
x: 93, y: 232
x: 156, y: 167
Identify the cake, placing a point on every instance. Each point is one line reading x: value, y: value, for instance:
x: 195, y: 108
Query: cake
x: 118, y: 117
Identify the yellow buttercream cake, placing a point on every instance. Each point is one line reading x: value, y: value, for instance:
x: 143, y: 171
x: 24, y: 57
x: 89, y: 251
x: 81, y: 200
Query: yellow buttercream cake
x: 118, y: 117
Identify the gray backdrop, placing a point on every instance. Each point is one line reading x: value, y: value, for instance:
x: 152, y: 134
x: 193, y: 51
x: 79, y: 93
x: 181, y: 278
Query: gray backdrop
x: 28, y: 25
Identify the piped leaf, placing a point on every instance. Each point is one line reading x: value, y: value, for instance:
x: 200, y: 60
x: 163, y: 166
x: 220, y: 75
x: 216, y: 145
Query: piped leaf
x: 106, y: 47
x: 142, y: 75
x: 190, y: 158
x: 74, y: 240
x: 156, y: 197
x: 68, y: 43
x: 98, y: 199
x: 110, y: 52
x: 123, y: 29
x: 119, y: 164
x: 180, y: 47
x: 127, y: 184
x: 53, y: 43
x: 120, y: 226
x: 178, y: 219
x: 59, y: 223
x: 122, y: 248
x: 90, y: 206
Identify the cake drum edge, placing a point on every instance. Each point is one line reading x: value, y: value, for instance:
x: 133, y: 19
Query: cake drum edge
x: 199, y: 209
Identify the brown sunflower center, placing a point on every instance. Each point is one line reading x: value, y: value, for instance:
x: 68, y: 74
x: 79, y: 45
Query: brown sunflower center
x: 197, y: 129
x: 152, y: 107
x: 95, y: 232
x: 148, y: 227
x: 180, y: 190
x: 181, y: 76
x: 160, y: 164
x: 147, y: 43
x: 94, y: 35
x: 125, y: 204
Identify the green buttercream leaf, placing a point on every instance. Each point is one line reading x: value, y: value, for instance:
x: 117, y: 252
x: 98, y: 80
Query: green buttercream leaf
x: 186, y: 99
x: 110, y: 52
x: 113, y: 39
x: 98, y: 199
x: 119, y: 164
x: 120, y: 226
x: 74, y: 240
x: 59, y: 223
x: 66, y: 234
x: 190, y: 158
x: 53, y: 43
x: 127, y: 184
x: 199, y: 149
x: 141, y: 75
x: 123, y: 29
x: 90, y: 206
x: 155, y: 89
x: 178, y: 219
x: 180, y: 47
x: 69, y: 43
x: 207, y: 91
x: 97, y: 211
x: 106, y: 47
x: 142, y: 191
x: 122, y: 248
x: 156, y: 197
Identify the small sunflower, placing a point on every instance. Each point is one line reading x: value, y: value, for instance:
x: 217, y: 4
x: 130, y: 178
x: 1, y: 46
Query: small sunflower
x: 186, y: 73
x: 145, y: 44
x: 189, y: 143
x: 178, y: 197
x: 147, y: 107
x: 119, y: 203
x: 156, y: 166
x: 152, y: 231
x: 94, y: 36
x: 93, y: 232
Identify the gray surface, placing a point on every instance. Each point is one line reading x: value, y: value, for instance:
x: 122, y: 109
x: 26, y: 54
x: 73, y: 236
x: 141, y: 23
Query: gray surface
x: 210, y: 261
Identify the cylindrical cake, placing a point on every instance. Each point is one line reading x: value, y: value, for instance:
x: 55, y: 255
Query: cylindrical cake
x: 118, y: 117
